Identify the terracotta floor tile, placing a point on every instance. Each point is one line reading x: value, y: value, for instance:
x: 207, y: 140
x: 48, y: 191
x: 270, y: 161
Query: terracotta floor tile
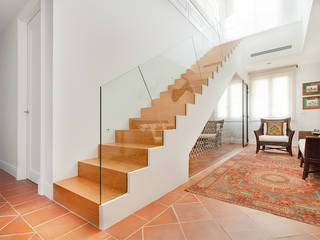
x: 5, y: 220
x: 163, y: 232
x: 204, y: 230
x: 283, y: 228
x: 190, y: 212
x: 311, y: 228
x: 18, y: 237
x: 267, y: 219
x: 170, y: 198
x: 35, y: 237
x: 18, y: 190
x: 17, y: 199
x: 59, y: 226
x: 151, y: 210
x: 298, y: 237
x: 45, y: 214
x: 189, y: 198
x: 136, y: 236
x: 32, y: 205
x: 127, y: 226
x: 250, y: 211
x: 16, y: 226
x: 221, y: 209
x: 181, y: 189
x: 85, y: 232
x: 250, y: 235
x: 7, y: 210
x: 167, y: 217
x: 237, y: 223
x: 2, y: 199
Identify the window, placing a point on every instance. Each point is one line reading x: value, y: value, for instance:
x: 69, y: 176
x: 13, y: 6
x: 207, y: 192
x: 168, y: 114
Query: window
x: 230, y: 104
x: 271, y: 95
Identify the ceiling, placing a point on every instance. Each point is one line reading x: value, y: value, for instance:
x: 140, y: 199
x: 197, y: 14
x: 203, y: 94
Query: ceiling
x: 301, y: 53
x: 8, y: 10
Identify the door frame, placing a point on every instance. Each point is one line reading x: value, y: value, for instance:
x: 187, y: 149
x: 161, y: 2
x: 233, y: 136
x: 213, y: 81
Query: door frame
x: 245, y: 118
x: 46, y: 15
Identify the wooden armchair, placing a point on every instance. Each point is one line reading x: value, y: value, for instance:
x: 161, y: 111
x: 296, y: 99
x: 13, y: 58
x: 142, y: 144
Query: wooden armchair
x: 309, y: 152
x: 282, y: 139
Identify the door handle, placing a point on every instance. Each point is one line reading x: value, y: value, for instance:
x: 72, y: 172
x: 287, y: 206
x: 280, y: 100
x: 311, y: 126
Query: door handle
x: 26, y: 112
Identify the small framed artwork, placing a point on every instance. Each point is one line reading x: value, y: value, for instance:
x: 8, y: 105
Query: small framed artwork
x: 311, y: 88
x: 311, y: 102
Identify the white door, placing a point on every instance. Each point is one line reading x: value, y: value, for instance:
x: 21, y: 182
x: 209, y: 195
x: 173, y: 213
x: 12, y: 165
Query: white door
x: 34, y: 98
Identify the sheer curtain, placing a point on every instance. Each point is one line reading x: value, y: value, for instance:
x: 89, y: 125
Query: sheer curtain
x: 271, y: 93
x: 230, y: 104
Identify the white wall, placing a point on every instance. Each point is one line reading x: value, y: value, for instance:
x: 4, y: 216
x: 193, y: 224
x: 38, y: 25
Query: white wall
x: 8, y: 98
x: 306, y: 119
x: 95, y: 41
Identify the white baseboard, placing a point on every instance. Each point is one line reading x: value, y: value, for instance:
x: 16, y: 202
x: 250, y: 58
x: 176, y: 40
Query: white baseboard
x: 12, y: 170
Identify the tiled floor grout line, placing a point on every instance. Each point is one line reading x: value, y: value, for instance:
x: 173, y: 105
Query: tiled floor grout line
x: 148, y: 221
x: 142, y: 232
x: 32, y: 236
x: 142, y: 218
x: 9, y: 223
x: 19, y: 215
x: 33, y: 227
x: 55, y: 218
x: 33, y: 211
x: 25, y: 201
x: 214, y: 219
x: 73, y: 230
x: 180, y: 225
x: 40, y: 196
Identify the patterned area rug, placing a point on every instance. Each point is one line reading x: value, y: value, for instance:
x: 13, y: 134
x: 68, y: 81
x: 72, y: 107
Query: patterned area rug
x: 270, y: 182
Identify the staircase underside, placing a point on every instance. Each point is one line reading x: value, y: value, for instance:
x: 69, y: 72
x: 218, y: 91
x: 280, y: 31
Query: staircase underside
x: 84, y: 194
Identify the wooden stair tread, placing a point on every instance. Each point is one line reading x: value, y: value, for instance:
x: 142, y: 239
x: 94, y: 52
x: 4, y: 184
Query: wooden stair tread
x: 89, y: 189
x: 141, y: 123
x: 140, y: 130
x: 130, y: 145
x: 121, y: 166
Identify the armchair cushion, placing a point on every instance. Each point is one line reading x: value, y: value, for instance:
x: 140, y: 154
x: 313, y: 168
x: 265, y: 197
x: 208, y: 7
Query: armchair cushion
x: 273, y: 138
x: 302, y: 145
x: 275, y: 128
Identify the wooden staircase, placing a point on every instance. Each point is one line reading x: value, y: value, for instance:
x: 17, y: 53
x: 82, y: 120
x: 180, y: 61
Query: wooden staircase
x: 129, y: 152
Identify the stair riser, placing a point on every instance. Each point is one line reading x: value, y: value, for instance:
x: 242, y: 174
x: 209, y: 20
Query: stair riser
x: 141, y: 137
x: 109, y: 178
x: 197, y: 76
x: 152, y: 125
x: 80, y: 205
x: 197, y: 89
x: 163, y: 113
x: 178, y: 96
x: 116, y: 153
x: 193, y: 83
x: 206, y: 69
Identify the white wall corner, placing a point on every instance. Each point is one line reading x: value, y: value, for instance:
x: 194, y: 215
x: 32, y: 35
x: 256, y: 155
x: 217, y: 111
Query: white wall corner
x: 12, y: 170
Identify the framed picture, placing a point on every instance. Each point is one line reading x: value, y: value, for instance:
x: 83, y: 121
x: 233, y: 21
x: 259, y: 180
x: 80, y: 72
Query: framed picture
x: 310, y: 88
x: 311, y: 102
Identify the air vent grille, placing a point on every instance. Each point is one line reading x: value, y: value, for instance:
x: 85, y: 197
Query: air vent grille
x: 271, y: 51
